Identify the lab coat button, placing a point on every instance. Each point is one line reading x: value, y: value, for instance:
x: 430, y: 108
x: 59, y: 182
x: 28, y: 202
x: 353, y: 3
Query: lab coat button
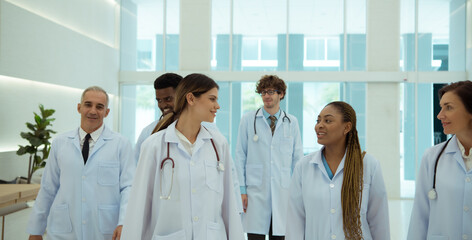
x: 466, y: 208
x: 83, y: 222
x: 333, y: 236
x: 192, y: 163
x: 83, y: 199
x: 467, y: 179
x: 333, y: 210
x: 464, y: 237
x: 331, y: 185
x: 195, y: 219
x: 194, y: 190
x: 83, y: 177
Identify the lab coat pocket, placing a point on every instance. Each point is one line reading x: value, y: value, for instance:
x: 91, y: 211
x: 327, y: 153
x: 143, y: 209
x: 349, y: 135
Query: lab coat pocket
x: 108, y: 173
x: 365, y: 198
x: 215, y: 231
x: 254, y: 174
x: 173, y: 236
x: 437, y: 237
x: 286, y: 177
x: 108, y: 218
x: 60, y: 219
x: 213, y: 177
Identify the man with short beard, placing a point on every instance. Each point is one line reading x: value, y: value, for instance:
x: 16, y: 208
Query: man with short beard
x: 165, y: 86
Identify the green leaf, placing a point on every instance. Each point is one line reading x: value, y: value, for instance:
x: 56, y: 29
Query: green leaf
x: 37, y: 118
x: 48, y: 113
x: 30, y: 126
x: 21, y: 150
x: 35, y: 141
x: 30, y: 149
x: 25, y: 135
x: 38, y: 160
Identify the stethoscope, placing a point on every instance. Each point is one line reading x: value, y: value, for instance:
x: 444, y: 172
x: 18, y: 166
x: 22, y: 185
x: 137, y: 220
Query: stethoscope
x: 432, y: 194
x: 256, y: 138
x: 169, y: 160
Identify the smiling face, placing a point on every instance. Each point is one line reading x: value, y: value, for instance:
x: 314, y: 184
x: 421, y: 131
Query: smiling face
x: 206, y: 105
x: 453, y: 115
x: 271, y: 101
x: 330, y: 128
x: 165, y: 99
x: 93, y: 109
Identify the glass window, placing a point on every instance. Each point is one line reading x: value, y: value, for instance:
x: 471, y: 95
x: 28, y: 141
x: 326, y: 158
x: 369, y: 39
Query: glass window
x: 156, y: 47
x: 441, y: 35
x: 315, y: 49
x: 355, y: 37
x: 144, y: 55
x: 250, y: 49
x: 220, y: 32
x: 251, y: 21
x: 313, y: 22
x: 268, y: 49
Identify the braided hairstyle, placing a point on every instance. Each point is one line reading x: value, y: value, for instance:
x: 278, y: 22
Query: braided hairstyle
x: 351, y: 191
x: 194, y: 83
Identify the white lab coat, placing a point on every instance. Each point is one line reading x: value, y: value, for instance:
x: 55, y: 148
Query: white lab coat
x: 78, y: 201
x: 202, y: 204
x: 449, y: 216
x: 145, y: 133
x: 265, y: 169
x: 315, y: 210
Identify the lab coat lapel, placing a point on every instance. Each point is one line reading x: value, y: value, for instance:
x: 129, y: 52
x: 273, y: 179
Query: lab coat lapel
x: 172, y: 138
x: 202, y: 137
x: 454, y: 151
x: 75, y: 139
x: 318, y: 162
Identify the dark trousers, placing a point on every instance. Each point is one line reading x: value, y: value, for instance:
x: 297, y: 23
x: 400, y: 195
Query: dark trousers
x: 251, y: 236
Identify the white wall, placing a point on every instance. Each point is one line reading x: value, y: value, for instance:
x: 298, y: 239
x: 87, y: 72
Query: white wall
x: 50, y: 50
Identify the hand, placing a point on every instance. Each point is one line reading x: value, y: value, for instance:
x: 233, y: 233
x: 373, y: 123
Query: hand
x: 244, y: 200
x: 35, y: 237
x: 117, y: 233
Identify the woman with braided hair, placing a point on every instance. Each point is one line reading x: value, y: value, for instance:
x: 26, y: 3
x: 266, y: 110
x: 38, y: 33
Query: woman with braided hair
x: 338, y: 192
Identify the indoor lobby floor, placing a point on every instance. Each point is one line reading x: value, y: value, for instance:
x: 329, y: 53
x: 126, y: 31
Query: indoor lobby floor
x: 399, y: 210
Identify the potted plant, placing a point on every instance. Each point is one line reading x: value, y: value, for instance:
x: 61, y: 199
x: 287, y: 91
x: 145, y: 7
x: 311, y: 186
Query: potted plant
x: 38, y: 138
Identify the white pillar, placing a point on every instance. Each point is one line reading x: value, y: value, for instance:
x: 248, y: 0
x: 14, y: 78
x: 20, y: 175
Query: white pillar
x: 383, y: 112
x: 195, y: 35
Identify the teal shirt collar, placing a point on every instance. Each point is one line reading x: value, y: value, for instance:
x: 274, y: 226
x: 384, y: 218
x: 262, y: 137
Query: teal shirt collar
x: 267, y: 115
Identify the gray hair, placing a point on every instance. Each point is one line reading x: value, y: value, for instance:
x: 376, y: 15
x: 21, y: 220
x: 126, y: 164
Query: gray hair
x: 94, y: 88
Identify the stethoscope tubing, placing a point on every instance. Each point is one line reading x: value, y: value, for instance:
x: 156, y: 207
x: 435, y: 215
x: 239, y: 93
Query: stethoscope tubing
x: 220, y: 167
x: 432, y: 194
x: 255, y: 117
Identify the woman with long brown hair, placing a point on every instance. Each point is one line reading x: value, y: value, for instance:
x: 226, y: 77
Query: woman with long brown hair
x: 338, y: 192
x: 183, y: 186
x: 443, y: 198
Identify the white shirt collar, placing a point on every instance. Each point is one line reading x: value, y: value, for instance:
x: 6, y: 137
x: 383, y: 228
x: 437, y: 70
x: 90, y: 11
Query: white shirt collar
x: 463, y: 150
x: 185, y: 142
x: 467, y: 159
x: 95, y: 134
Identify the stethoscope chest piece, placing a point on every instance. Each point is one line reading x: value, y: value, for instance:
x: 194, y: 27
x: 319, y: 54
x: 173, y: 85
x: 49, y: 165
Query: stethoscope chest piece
x: 221, y: 167
x: 432, y: 194
x: 255, y: 138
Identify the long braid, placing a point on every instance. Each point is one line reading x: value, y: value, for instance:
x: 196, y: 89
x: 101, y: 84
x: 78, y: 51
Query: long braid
x: 351, y: 191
